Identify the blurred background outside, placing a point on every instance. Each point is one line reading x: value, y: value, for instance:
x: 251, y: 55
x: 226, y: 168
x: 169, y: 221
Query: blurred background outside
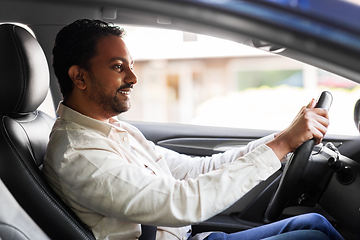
x: 195, y: 79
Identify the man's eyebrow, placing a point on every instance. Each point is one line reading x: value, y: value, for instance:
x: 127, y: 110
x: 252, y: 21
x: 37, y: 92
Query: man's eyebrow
x: 122, y: 59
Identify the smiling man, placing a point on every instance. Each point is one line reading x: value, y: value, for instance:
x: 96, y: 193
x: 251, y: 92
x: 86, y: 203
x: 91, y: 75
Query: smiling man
x: 115, y: 180
x: 105, y: 83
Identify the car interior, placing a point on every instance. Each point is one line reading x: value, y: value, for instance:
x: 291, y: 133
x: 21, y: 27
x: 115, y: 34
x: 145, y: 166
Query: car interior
x: 327, y: 182
x: 25, y: 134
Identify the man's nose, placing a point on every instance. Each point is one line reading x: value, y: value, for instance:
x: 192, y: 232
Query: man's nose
x: 131, y: 77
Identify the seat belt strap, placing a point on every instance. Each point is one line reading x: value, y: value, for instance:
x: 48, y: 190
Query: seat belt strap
x: 148, y: 232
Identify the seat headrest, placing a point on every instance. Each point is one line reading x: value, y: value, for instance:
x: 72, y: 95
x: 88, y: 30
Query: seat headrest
x: 24, y: 72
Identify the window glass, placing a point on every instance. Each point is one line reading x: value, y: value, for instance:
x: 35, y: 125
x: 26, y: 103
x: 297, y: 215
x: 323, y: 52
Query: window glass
x: 47, y: 105
x: 196, y: 79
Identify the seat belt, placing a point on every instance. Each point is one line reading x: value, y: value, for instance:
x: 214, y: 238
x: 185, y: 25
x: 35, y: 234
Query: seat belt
x: 148, y: 232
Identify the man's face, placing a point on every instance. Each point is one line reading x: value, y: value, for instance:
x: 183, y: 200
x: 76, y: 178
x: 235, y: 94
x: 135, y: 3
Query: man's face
x: 111, y: 76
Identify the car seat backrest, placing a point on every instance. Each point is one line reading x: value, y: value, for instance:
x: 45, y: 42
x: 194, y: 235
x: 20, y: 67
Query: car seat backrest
x: 24, y: 133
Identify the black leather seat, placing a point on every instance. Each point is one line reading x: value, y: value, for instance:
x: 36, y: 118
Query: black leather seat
x: 24, y: 132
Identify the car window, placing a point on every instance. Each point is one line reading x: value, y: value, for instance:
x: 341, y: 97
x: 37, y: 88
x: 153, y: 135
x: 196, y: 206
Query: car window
x: 195, y: 79
x: 47, y: 105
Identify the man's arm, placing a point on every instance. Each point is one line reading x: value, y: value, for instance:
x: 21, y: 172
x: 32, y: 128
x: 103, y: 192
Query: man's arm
x: 112, y: 187
x: 184, y: 166
x: 308, y: 123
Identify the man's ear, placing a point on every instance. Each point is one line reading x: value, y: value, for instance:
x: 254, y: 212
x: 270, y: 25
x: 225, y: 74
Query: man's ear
x: 76, y: 74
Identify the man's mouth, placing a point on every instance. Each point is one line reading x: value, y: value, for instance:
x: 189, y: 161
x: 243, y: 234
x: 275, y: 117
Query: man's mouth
x: 126, y: 89
x: 125, y: 92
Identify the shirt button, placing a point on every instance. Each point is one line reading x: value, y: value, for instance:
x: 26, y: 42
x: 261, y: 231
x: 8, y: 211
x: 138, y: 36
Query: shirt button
x: 184, y: 238
x: 124, y: 139
x: 271, y: 169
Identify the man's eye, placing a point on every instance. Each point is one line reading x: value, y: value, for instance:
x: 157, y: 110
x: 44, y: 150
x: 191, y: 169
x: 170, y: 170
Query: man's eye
x: 118, y: 67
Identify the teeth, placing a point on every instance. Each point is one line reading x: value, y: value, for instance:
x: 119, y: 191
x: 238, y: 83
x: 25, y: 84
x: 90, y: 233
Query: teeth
x: 125, y: 92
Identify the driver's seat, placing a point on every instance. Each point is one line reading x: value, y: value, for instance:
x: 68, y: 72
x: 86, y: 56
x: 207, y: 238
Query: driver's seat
x: 24, y: 132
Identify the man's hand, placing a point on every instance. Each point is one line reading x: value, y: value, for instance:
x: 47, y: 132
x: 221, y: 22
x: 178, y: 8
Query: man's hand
x: 309, y: 123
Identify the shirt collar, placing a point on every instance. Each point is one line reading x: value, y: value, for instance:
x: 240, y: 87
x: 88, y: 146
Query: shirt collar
x: 71, y: 115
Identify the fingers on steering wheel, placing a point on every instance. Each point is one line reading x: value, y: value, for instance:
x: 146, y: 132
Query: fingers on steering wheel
x: 320, y: 125
x: 312, y: 103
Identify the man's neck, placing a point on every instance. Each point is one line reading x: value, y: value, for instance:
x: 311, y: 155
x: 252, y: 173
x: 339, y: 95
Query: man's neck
x: 89, y: 110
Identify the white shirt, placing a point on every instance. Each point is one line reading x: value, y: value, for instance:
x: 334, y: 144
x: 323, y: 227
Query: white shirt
x: 115, y: 180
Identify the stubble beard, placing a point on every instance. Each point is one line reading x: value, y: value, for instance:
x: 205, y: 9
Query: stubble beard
x: 111, y: 104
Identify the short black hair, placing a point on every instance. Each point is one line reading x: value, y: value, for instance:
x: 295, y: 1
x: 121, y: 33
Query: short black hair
x: 75, y: 44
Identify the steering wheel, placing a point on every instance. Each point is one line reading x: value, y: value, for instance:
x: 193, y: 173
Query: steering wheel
x: 294, y: 169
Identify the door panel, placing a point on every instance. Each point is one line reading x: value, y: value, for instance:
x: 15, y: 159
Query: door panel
x: 197, y: 140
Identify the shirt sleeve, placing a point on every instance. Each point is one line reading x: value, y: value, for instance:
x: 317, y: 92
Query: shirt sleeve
x: 113, y: 187
x: 184, y: 166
